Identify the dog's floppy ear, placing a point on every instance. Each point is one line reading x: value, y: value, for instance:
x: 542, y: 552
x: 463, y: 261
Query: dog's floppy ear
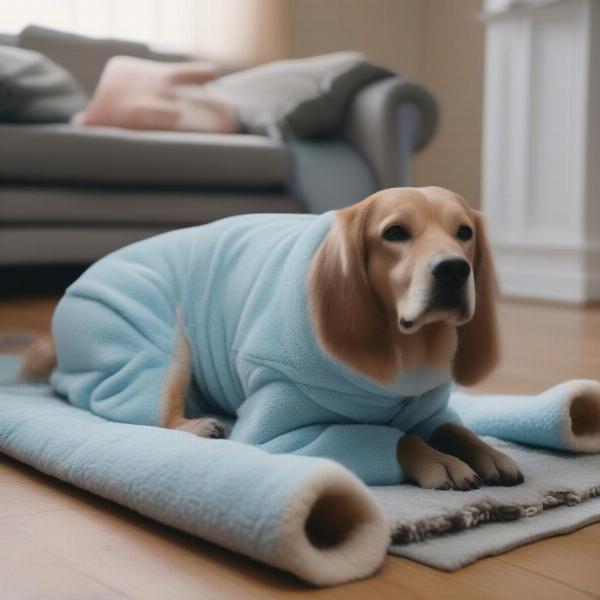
x: 478, y: 346
x: 349, y: 322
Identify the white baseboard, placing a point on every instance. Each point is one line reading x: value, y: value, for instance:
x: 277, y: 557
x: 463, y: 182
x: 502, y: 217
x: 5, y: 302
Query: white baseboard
x: 567, y: 274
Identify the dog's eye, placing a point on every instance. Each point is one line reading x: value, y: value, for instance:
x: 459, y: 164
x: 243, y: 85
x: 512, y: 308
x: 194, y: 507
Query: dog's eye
x: 396, y: 233
x: 464, y: 233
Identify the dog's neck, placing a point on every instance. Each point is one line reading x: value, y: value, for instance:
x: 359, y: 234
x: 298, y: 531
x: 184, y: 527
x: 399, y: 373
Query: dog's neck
x: 433, y: 347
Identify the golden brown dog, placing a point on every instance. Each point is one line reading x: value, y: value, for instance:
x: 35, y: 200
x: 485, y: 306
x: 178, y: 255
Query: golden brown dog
x: 403, y: 280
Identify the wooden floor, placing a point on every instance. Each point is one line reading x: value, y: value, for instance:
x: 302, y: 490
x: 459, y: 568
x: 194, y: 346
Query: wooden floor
x: 57, y: 542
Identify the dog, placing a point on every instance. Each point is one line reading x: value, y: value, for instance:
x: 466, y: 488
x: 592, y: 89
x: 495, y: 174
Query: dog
x: 335, y: 335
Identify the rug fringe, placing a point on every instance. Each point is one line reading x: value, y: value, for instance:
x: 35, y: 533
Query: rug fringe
x: 484, y: 512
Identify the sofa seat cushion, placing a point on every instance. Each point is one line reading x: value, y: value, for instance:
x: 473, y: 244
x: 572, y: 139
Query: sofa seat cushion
x: 25, y: 205
x: 104, y: 155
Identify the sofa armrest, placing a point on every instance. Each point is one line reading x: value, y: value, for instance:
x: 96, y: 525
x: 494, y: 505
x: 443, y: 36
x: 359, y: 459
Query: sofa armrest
x: 387, y: 122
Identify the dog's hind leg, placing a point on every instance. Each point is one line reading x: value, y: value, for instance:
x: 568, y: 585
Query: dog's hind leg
x: 118, y: 358
x: 177, y: 382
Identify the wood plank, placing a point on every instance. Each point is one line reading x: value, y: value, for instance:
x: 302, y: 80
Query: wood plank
x: 28, y: 570
x: 30, y: 314
x: 491, y: 578
x: 561, y: 558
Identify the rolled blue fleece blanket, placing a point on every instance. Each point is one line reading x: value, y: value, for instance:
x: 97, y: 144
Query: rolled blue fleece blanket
x: 564, y: 417
x: 306, y: 515
x: 309, y: 516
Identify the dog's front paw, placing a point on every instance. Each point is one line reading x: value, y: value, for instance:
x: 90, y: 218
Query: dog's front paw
x: 432, y: 469
x: 492, y: 466
x: 445, y: 473
x: 205, y: 427
x: 495, y: 467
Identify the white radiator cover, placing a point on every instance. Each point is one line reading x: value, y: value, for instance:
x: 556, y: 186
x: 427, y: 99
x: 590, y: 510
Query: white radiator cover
x: 541, y: 163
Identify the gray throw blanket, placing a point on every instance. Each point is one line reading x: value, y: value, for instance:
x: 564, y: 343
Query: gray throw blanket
x: 297, y: 98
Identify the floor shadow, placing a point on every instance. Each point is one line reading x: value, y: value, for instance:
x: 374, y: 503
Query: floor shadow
x: 38, y: 280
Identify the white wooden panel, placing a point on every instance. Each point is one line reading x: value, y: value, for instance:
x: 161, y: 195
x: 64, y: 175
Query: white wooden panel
x: 557, y: 137
x: 541, y: 164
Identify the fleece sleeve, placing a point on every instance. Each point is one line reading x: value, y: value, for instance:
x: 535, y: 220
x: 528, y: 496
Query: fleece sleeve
x: 280, y: 418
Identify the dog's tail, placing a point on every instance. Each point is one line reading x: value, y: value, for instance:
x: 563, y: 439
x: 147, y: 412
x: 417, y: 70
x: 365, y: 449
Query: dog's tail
x: 39, y: 360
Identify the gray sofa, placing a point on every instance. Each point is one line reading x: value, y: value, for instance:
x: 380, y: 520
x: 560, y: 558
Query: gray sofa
x: 70, y: 194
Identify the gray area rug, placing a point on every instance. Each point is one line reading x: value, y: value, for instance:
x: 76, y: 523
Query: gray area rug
x: 449, y: 529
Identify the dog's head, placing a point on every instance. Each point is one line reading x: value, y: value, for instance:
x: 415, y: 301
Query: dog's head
x: 402, y: 263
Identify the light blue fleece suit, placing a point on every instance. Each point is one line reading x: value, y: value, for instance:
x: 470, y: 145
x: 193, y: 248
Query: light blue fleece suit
x: 240, y: 286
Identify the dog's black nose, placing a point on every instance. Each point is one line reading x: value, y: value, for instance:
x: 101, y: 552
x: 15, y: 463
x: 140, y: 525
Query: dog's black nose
x: 452, y: 273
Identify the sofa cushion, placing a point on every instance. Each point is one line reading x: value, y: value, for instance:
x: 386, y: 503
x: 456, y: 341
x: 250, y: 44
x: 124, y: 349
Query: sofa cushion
x: 68, y: 153
x: 33, y: 89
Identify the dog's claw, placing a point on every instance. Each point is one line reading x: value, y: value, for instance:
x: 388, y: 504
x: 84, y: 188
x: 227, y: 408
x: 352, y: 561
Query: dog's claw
x: 217, y: 432
x: 206, y: 427
x: 469, y: 485
x: 505, y: 479
x: 512, y: 479
x: 475, y: 485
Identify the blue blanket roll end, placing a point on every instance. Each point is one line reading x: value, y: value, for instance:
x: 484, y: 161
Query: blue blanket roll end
x: 305, y: 515
x: 564, y: 417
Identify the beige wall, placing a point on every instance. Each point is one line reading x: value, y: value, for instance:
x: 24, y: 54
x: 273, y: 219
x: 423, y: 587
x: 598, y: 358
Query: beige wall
x: 386, y: 30
x: 451, y: 65
x: 438, y: 42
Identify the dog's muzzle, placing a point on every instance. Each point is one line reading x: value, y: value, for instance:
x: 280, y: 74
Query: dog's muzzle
x: 447, y: 296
